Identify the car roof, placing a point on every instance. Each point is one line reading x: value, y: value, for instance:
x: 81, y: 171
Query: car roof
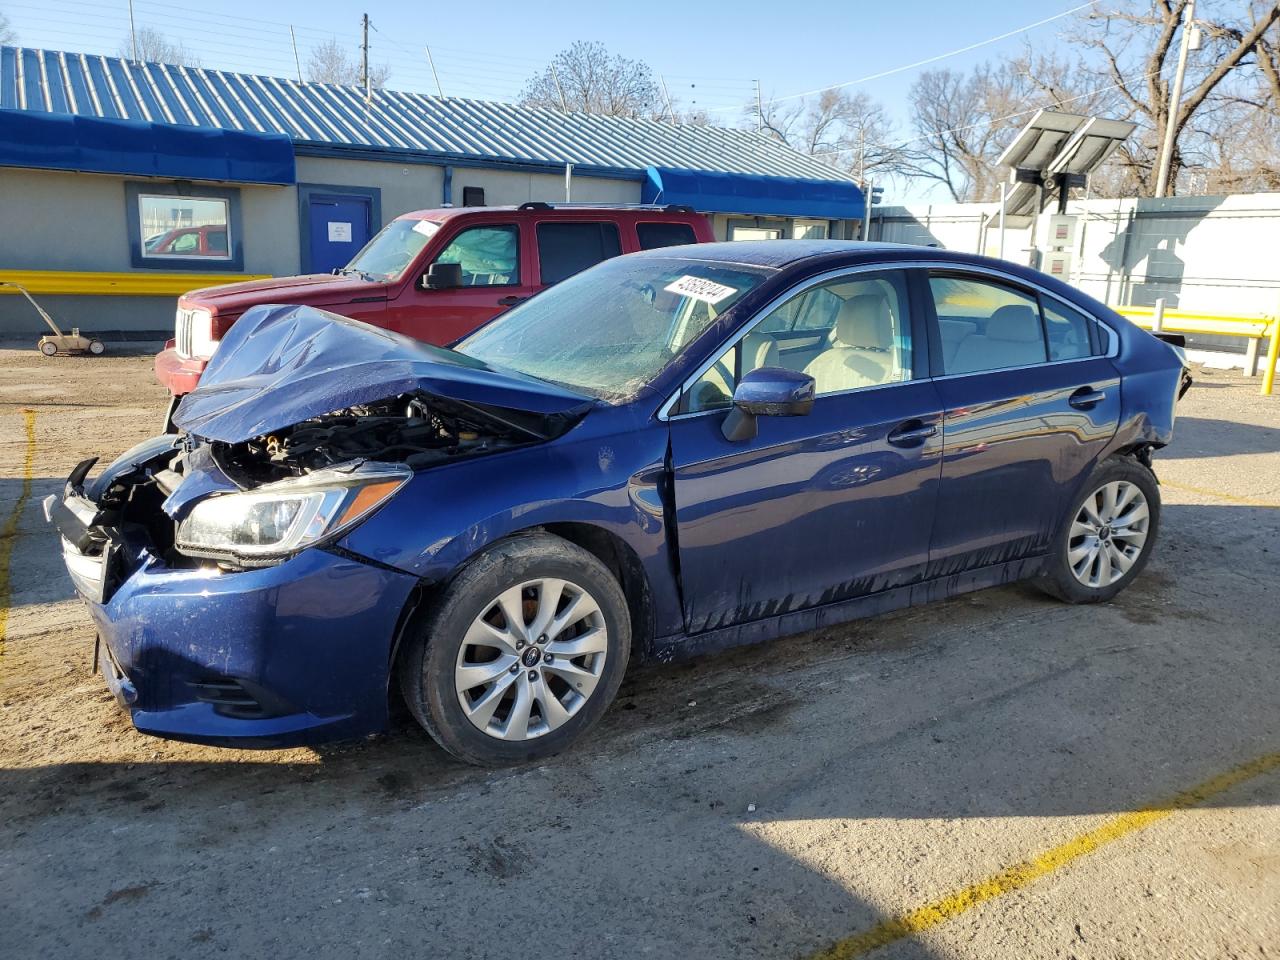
x: 553, y: 211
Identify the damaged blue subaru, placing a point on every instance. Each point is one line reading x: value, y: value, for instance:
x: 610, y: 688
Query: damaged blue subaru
x: 671, y: 453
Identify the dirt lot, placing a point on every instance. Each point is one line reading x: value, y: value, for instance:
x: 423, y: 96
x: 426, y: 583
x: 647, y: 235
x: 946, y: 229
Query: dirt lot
x: 768, y: 803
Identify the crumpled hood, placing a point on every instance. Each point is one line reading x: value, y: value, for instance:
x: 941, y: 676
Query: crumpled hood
x: 280, y: 365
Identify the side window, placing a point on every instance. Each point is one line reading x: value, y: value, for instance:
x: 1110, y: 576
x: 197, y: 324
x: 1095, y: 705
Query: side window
x: 654, y: 235
x: 1068, y: 331
x: 489, y: 256
x: 568, y: 248
x: 985, y: 325
x: 858, y: 335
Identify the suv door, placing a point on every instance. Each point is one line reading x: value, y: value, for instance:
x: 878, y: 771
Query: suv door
x: 1029, y: 402
x: 819, y: 508
x: 494, y: 277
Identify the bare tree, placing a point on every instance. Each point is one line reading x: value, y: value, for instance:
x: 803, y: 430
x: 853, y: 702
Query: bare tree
x: 330, y: 62
x: 154, y: 47
x: 847, y: 130
x: 1135, y: 46
x: 7, y: 36
x: 587, y: 78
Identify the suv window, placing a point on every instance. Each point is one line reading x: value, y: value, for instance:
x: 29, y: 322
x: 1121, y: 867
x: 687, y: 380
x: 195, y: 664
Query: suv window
x: 654, y: 235
x: 985, y: 325
x: 489, y: 256
x: 568, y: 248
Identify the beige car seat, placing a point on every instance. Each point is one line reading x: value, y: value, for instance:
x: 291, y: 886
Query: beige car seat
x: 861, y: 351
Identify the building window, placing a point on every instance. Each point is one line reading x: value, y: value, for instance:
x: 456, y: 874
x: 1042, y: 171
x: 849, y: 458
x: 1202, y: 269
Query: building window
x: 184, y: 228
x: 809, y: 229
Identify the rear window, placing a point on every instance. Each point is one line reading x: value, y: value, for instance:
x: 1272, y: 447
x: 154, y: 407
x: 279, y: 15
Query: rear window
x: 568, y: 248
x: 654, y: 235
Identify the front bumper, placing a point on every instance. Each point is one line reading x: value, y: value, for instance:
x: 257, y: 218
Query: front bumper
x: 273, y: 657
x: 180, y: 375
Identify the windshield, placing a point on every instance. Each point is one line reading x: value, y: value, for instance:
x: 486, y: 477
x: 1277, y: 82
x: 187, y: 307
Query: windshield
x: 610, y: 330
x: 396, y: 246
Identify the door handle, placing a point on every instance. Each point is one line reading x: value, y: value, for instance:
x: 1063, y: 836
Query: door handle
x: 1086, y: 398
x: 510, y: 301
x: 912, y: 434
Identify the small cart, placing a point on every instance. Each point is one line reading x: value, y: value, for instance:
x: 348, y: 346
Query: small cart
x: 59, y: 342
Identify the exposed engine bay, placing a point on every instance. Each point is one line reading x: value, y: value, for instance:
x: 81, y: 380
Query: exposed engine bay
x: 414, y: 430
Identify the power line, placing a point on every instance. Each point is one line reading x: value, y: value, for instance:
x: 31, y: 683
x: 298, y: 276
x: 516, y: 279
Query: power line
x: 928, y: 60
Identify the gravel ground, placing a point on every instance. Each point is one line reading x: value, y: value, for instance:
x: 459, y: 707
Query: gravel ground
x: 765, y: 803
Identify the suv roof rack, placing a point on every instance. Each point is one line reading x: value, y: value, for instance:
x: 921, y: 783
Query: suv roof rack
x: 665, y: 208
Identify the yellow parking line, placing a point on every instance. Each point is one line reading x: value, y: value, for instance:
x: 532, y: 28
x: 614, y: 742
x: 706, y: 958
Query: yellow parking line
x: 1219, y: 495
x: 1041, y: 865
x: 9, y: 533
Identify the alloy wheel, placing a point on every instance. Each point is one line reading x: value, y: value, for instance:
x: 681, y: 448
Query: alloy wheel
x: 1108, y: 533
x: 531, y: 659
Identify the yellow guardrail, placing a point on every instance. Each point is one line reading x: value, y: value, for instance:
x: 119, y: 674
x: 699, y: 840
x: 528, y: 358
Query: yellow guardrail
x: 1254, y: 328
x: 135, y: 284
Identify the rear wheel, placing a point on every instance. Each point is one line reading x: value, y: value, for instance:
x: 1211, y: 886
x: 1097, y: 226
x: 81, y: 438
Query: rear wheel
x: 1106, y: 539
x: 521, y: 655
x: 48, y: 348
x: 97, y: 347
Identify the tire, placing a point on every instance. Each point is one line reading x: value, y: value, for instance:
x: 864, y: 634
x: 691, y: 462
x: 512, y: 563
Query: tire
x: 97, y: 347
x: 48, y: 348
x: 1102, y: 545
x: 467, y: 635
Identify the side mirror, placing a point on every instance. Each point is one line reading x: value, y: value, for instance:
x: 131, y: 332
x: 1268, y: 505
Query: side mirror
x: 443, y: 276
x: 767, y: 392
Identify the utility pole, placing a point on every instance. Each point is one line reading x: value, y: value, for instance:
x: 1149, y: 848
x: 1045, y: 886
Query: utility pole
x: 133, y: 33
x: 1175, y: 98
x: 432, y: 60
x: 364, y: 61
x: 296, y: 61
x: 759, y: 109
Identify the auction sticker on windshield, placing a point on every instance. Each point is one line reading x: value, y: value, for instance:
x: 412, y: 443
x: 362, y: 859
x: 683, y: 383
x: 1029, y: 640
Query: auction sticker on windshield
x: 708, y: 291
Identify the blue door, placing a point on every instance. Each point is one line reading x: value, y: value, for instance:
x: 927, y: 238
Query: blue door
x: 339, y: 227
x: 820, y: 508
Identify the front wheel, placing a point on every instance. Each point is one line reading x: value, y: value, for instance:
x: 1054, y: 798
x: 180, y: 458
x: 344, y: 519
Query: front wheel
x: 522, y: 653
x: 1106, y: 539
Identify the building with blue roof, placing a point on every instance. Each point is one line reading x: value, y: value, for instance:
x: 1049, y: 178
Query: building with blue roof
x: 91, y: 146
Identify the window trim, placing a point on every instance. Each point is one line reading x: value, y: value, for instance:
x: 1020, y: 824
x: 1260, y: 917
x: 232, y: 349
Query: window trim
x: 135, y: 190
x: 924, y: 268
x: 496, y: 224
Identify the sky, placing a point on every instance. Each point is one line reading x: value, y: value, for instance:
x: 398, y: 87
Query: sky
x: 709, y: 53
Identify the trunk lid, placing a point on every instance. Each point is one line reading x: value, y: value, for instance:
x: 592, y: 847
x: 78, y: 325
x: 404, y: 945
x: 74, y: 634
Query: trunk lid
x: 281, y: 365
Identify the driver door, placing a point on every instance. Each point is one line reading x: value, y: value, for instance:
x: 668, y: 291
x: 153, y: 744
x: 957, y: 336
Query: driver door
x: 495, y: 277
x: 820, y: 508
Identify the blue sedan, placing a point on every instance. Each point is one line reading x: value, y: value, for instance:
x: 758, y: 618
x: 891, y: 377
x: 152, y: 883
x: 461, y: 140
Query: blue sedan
x: 672, y: 453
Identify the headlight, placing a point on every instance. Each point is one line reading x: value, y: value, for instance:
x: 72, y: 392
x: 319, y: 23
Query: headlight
x: 279, y: 519
x: 202, y: 342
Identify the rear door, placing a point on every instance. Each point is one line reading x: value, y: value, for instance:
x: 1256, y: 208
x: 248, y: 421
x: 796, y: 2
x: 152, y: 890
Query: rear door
x: 1029, y: 402
x: 820, y: 508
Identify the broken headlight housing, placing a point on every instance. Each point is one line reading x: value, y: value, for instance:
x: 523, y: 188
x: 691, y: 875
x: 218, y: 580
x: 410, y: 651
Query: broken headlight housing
x: 277, y: 520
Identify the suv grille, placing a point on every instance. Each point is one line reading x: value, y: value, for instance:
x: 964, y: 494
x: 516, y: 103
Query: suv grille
x: 182, y: 331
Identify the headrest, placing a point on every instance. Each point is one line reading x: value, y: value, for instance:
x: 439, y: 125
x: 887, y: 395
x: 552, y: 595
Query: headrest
x: 759, y: 350
x: 865, y: 321
x: 1014, y: 322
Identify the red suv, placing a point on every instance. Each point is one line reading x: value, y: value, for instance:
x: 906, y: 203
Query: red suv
x: 436, y: 274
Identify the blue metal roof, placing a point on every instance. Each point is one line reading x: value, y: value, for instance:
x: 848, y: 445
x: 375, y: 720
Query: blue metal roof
x: 321, y: 117
x: 753, y: 194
